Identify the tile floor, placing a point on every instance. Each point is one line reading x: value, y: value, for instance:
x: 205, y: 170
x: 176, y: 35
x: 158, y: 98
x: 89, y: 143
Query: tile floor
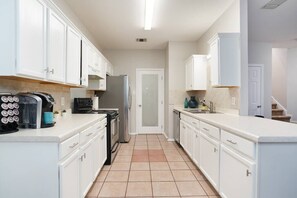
x: 149, y: 166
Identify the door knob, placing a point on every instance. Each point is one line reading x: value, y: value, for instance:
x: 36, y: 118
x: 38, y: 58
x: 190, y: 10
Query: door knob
x: 259, y: 106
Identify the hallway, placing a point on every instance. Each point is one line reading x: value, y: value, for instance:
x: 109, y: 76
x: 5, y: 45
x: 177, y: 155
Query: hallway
x: 149, y: 166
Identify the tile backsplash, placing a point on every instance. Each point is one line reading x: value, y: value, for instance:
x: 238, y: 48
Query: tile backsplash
x: 57, y: 91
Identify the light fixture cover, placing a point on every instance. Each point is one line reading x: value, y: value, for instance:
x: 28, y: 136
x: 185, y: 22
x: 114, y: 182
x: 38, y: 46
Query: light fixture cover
x: 273, y: 4
x: 149, y: 11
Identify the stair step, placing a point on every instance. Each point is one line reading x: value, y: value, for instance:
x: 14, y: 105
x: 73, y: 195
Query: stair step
x: 282, y: 118
x: 276, y: 112
x: 274, y: 105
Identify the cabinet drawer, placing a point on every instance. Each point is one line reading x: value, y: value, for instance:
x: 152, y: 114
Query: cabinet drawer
x: 185, y: 118
x: 192, y: 121
x: 87, y: 134
x: 240, y: 144
x: 210, y: 130
x: 68, y: 146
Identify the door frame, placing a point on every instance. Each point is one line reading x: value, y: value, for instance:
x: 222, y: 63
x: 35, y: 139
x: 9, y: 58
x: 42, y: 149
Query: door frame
x: 161, y: 111
x: 261, y: 66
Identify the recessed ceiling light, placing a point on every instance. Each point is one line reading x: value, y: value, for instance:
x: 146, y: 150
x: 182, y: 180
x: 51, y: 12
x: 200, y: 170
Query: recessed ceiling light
x: 149, y: 11
x: 141, y: 40
x: 273, y: 4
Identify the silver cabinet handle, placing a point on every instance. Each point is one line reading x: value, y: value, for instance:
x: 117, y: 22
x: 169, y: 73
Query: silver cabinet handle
x: 230, y: 141
x: 85, y: 155
x: 248, y: 173
x: 215, y: 150
x: 194, y: 123
x: 205, y: 129
x: 82, y: 158
x: 196, y: 135
x: 89, y: 134
x: 73, y: 145
x: 52, y: 71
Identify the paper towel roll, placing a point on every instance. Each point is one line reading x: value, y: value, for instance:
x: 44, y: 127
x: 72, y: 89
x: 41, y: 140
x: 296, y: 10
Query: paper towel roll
x: 95, y: 103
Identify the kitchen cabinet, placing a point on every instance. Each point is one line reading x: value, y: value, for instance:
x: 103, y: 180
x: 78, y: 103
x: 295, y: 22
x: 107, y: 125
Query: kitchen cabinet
x: 31, y: 46
x: 189, y: 141
x: 237, y: 175
x: 196, y: 73
x: 196, y: 147
x: 73, y: 56
x: 56, y: 48
x: 69, y: 176
x: 103, y: 146
x: 183, y: 131
x: 209, y: 159
x: 99, y: 151
x: 84, y: 63
x: 86, y: 168
x: 225, y: 59
x: 109, y: 70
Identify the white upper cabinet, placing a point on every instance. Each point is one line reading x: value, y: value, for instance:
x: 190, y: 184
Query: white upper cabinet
x: 31, y: 37
x: 109, y: 70
x: 196, y: 73
x: 56, y: 47
x: 84, y: 63
x: 73, y: 56
x: 225, y: 60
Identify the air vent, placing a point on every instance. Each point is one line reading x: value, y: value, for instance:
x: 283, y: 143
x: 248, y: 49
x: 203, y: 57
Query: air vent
x: 273, y: 4
x: 141, y: 40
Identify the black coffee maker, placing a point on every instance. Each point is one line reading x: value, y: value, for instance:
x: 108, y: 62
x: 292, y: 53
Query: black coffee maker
x: 47, y: 106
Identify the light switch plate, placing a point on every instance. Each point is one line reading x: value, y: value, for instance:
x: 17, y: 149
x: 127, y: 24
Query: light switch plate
x: 233, y: 101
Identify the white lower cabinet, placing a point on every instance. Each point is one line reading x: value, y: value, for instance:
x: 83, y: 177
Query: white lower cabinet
x: 69, y: 176
x: 237, y: 175
x: 189, y: 136
x: 210, y: 159
x: 86, y: 168
x: 183, y: 133
x: 196, y: 147
x: 103, y: 146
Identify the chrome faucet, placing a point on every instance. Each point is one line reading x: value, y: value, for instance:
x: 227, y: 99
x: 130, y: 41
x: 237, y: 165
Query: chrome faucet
x: 211, y: 106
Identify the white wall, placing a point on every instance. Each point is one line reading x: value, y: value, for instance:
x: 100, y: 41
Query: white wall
x: 279, y: 75
x: 292, y: 83
x: 126, y: 62
x: 261, y: 53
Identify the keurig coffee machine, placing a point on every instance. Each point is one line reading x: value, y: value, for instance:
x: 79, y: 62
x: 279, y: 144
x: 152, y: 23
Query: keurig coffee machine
x: 36, y: 110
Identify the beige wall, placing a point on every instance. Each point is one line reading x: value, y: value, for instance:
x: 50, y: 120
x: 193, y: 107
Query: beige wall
x: 126, y: 62
x: 279, y: 75
x: 228, y: 22
x: 57, y: 91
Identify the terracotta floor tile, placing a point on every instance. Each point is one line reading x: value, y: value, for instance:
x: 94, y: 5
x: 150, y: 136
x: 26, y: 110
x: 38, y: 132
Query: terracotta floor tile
x: 123, y: 158
x: 140, y: 143
x: 186, y: 158
x: 140, y: 147
x: 159, y: 166
x: 140, y: 152
x: 178, y: 166
x: 106, y: 167
x: 120, y: 166
x: 156, y: 152
x: 183, y: 175
x: 139, y: 189
x: 190, y: 188
x: 191, y: 165
x: 125, y: 152
x: 208, y: 188
x: 140, y: 166
x: 174, y: 158
x: 161, y: 176
x: 154, y: 147
x: 137, y: 176
x: 117, y: 176
x: 140, y: 158
x: 102, y: 175
x: 113, y: 189
x: 157, y: 158
x: 168, y: 189
x: 94, y: 191
x: 199, y: 176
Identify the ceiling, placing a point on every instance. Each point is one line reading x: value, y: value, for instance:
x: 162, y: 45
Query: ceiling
x: 277, y: 26
x: 115, y: 24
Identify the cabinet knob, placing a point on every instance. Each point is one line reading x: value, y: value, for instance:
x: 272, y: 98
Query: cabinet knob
x: 52, y: 71
x: 215, y: 150
x: 85, y: 155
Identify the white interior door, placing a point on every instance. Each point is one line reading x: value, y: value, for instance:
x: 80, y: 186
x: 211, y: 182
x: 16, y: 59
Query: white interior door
x: 149, y: 100
x: 255, y: 90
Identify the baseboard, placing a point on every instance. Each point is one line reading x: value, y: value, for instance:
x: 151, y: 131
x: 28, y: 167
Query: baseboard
x: 168, y: 139
x: 165, y: 135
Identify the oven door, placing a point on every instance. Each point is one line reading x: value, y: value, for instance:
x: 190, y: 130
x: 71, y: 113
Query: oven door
x: 115, y: 132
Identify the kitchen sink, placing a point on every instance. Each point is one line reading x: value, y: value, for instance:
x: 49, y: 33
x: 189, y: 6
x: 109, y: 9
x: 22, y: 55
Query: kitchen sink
x: 199, y: 111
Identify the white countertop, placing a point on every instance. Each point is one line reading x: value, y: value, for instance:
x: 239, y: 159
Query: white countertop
x: 252, y: 128
x: 63, y: 129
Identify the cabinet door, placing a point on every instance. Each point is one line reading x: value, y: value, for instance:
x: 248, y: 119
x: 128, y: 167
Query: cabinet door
x: 182, y: 133
x: 190, y: 136
x: 189, y: 74
x: 102, y: 84
x: 196, y: 148
x: 32, y: 39
x: 56, y: 48
x: 96, y: 155
x: 86, y: 168
x: 103, y: 146
x: 209, y: 159
x: 69, y: 177
x: 73, y: 57
x: 237, y: 175
x: 90, y: 56
x: 84, y: 64
x: 214, y: 52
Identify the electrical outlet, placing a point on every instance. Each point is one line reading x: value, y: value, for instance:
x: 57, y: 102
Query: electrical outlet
x: 233, y: 101
x: 62, y: 101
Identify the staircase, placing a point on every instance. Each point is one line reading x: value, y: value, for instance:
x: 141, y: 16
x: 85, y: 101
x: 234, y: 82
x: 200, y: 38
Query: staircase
x: 278, y: 114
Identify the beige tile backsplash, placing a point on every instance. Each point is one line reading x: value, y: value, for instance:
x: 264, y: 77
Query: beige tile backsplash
x: 57, y: 91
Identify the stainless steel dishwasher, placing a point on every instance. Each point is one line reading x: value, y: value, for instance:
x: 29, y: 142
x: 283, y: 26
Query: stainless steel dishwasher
x: 176, y: 123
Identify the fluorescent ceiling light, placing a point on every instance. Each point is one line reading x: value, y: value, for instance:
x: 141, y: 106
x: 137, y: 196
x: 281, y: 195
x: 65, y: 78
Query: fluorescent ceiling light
x: 149, y: 11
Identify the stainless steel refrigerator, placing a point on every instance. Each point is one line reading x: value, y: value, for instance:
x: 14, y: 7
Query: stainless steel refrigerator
x: 118, y: 95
